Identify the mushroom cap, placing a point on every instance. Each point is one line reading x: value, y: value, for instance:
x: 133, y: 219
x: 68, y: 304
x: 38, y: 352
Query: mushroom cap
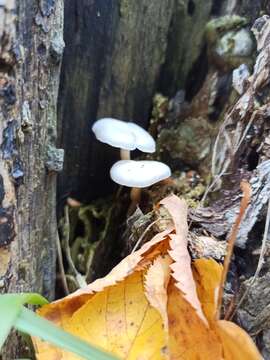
x: 115, y: 133
x: 139, y: 174
x: 144, y: 141
x: 124, y: 135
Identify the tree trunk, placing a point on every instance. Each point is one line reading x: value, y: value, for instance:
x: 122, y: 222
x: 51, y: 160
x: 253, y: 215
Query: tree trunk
x: 30, y: 57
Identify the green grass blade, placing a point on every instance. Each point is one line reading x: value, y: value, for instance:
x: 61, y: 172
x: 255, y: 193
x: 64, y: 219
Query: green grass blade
x: 10, y: 308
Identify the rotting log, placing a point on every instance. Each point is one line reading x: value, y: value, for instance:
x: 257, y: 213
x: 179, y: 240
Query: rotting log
x: 30, y: 57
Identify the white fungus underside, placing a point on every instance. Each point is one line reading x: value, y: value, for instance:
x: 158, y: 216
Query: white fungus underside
x: 139, y: 174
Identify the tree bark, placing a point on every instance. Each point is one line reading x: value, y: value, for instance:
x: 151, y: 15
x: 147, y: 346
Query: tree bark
x: 30, y: 57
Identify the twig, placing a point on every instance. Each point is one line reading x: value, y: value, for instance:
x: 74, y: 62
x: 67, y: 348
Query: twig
x: 80, y: 279
x: 61, y: 265
x: 246, y: 189
x: 260, y: 262
x: 143, y: 235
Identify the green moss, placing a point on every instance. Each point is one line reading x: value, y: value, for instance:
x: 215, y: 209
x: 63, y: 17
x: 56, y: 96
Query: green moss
x: 223, y: 24
x: 230, y: 43
x: 189, y: 142
x: 124, y: 8
x: 88, y: 227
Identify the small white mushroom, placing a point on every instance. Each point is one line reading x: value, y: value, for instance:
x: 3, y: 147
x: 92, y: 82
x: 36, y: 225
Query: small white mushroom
x: 137, y: 175
x: 124, y: 135
x: 140, y: 174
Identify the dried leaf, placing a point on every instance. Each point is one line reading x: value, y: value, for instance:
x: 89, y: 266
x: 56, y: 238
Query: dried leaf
x: 236, y: 342
x: 137, y: 260
x: 135, y: 314
x: 181, y: 266
x: 156, y: 282
x: 120, y: 320
x: 247, y: 192
x: 189, y: 337
x: 207, y: 274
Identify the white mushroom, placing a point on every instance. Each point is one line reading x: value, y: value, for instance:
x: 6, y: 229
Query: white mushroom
x: 137, y: 175
x: 124, y: 135
x: 140, y: 174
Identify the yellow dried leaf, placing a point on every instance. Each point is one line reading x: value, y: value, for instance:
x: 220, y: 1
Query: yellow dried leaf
x: 120, y: 320
x: 236, y: 342
x: 135, y: 314
x: 135, y: 261
x: 207, y: 274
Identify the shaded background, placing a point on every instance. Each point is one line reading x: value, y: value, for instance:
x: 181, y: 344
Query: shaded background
x: 118, y: 55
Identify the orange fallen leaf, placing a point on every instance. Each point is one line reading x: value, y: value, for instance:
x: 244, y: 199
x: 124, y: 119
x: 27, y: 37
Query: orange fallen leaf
x: 237, y: 344
x: 189, y: 337
x: 135, y: 261
x: 207, y: 274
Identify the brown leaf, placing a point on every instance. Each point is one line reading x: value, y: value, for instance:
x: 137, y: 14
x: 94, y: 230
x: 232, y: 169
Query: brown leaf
x: 189, y: 337
x: 181, y: 266
x: 156, y: 283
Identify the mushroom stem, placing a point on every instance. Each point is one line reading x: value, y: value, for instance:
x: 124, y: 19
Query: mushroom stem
x: 124, y: 154
x: 135, y: 197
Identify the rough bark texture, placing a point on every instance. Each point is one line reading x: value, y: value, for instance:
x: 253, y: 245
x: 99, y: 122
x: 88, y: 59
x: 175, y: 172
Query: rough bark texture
x: 30, y: 57
x: 185, y: 43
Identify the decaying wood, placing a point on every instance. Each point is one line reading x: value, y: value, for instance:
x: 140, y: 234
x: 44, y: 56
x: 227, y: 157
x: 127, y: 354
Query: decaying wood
x: 219, y: 217
x: 30, y: 57
x: 244, y: 132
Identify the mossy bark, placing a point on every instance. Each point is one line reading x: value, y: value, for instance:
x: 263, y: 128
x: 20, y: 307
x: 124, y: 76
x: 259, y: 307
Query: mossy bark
x: 30, y: 58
